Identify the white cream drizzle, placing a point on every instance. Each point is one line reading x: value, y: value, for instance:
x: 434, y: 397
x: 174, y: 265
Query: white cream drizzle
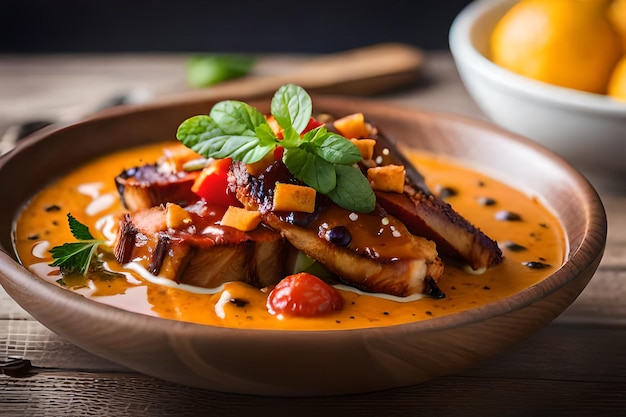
x: 143, y: 272
x: 406, y: 299
x: 219, y: 306
x: 100, y: 204
x: 107, y: 225
x: 40, y: 249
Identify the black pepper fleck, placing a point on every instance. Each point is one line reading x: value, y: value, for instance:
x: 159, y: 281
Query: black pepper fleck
x: 514, y: 247
x: 33, y: 237
x: 51, y: 208
x: 429, y: 313
x: 486, y: 287
x: 509, y: 216
x: 446, y: 192
x: 386, y: 313
x: 486, y: 201
x: 238, y: 302
x: 536, y: 265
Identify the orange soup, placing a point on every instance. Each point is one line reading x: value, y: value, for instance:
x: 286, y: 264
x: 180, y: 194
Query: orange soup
x: 530, y: 236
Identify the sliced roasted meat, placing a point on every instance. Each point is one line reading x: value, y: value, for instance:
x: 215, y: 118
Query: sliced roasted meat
x: 426, y: 214
x: 150, y: 185
x: 373, y: 252
x: 198, y: 251
x: 429, y: 216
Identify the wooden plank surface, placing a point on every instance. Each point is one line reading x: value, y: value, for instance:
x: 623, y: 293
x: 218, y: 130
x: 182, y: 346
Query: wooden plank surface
x: 576, y: 366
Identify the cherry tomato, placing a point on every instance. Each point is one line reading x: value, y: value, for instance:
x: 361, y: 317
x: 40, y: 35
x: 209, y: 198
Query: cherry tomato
x: 303, y: 295
x: 212, y: 184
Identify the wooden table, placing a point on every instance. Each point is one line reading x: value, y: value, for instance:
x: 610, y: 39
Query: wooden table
x: 576, y: 366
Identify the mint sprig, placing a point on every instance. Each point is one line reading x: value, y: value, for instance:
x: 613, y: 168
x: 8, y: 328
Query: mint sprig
x: 321, y: 159
x: 76, y: 257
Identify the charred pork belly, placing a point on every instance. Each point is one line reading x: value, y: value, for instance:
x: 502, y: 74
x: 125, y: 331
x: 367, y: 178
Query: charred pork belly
x: 373, y: 252
x: 187, y: 246
x: 150, y: 185
x: 426, y: 214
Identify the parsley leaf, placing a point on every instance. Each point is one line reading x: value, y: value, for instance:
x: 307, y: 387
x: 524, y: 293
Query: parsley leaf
x: 237, y: 130
x: 76, y: 257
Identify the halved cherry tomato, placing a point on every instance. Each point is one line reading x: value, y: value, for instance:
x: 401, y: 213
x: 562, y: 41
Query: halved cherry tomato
x: 303, y: 295
x: 212, y: 184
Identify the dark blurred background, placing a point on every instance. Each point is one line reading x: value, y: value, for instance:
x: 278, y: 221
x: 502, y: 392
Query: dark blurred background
x: 59, y: 26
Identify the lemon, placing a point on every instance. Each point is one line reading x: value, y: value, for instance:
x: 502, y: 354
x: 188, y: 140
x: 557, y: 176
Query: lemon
x: 617, y: 82
x: 570, y: 43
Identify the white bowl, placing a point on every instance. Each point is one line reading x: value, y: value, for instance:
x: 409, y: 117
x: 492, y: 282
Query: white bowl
x: 586, y: 129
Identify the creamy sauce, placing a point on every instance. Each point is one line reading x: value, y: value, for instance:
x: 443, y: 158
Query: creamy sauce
x: 532, y: 234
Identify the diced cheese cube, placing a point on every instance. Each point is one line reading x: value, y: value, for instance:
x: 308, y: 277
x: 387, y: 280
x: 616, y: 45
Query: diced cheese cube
x: 291, y: 197
x: 240, y: 218
x: 366, y: 147
x: 176, y: 216
x: 387, y: 178
x: 352, y: 126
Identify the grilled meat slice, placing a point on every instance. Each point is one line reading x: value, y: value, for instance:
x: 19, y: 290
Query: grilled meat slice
x: 149, y: 185
x: 201, y: 253
x: 429, y: 216
x: 376, y: 253
x: 425, y: 214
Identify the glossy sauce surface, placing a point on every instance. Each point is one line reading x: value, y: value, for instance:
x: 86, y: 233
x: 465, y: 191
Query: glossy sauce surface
x: 531, y: 238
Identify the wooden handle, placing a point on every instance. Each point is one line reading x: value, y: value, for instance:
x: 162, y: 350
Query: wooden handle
x: 363, y: 71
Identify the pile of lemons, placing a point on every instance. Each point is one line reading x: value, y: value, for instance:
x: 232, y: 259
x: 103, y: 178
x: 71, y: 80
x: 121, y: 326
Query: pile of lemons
x: 579, y: 44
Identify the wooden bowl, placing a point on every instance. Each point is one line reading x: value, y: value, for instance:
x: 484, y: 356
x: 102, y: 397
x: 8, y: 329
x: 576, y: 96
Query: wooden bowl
x: 304, y: 363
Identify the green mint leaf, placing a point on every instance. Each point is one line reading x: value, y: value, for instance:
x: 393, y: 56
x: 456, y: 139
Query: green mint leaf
x: 310, y: 169
x: 240, y: 148
x: 207, y: 70
x: 195, y: 130
x: 332, y: 147
x: 292, y: 107
x: 353, y: 190
x: 231, y: 130
x: 79, y: 230
x: 236, y: 118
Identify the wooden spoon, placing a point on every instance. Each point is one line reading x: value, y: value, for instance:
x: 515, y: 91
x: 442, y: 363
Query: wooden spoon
x: 364, y: 71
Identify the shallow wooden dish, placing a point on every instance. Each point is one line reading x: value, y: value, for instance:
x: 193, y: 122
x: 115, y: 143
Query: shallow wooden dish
x: 318, y: 362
